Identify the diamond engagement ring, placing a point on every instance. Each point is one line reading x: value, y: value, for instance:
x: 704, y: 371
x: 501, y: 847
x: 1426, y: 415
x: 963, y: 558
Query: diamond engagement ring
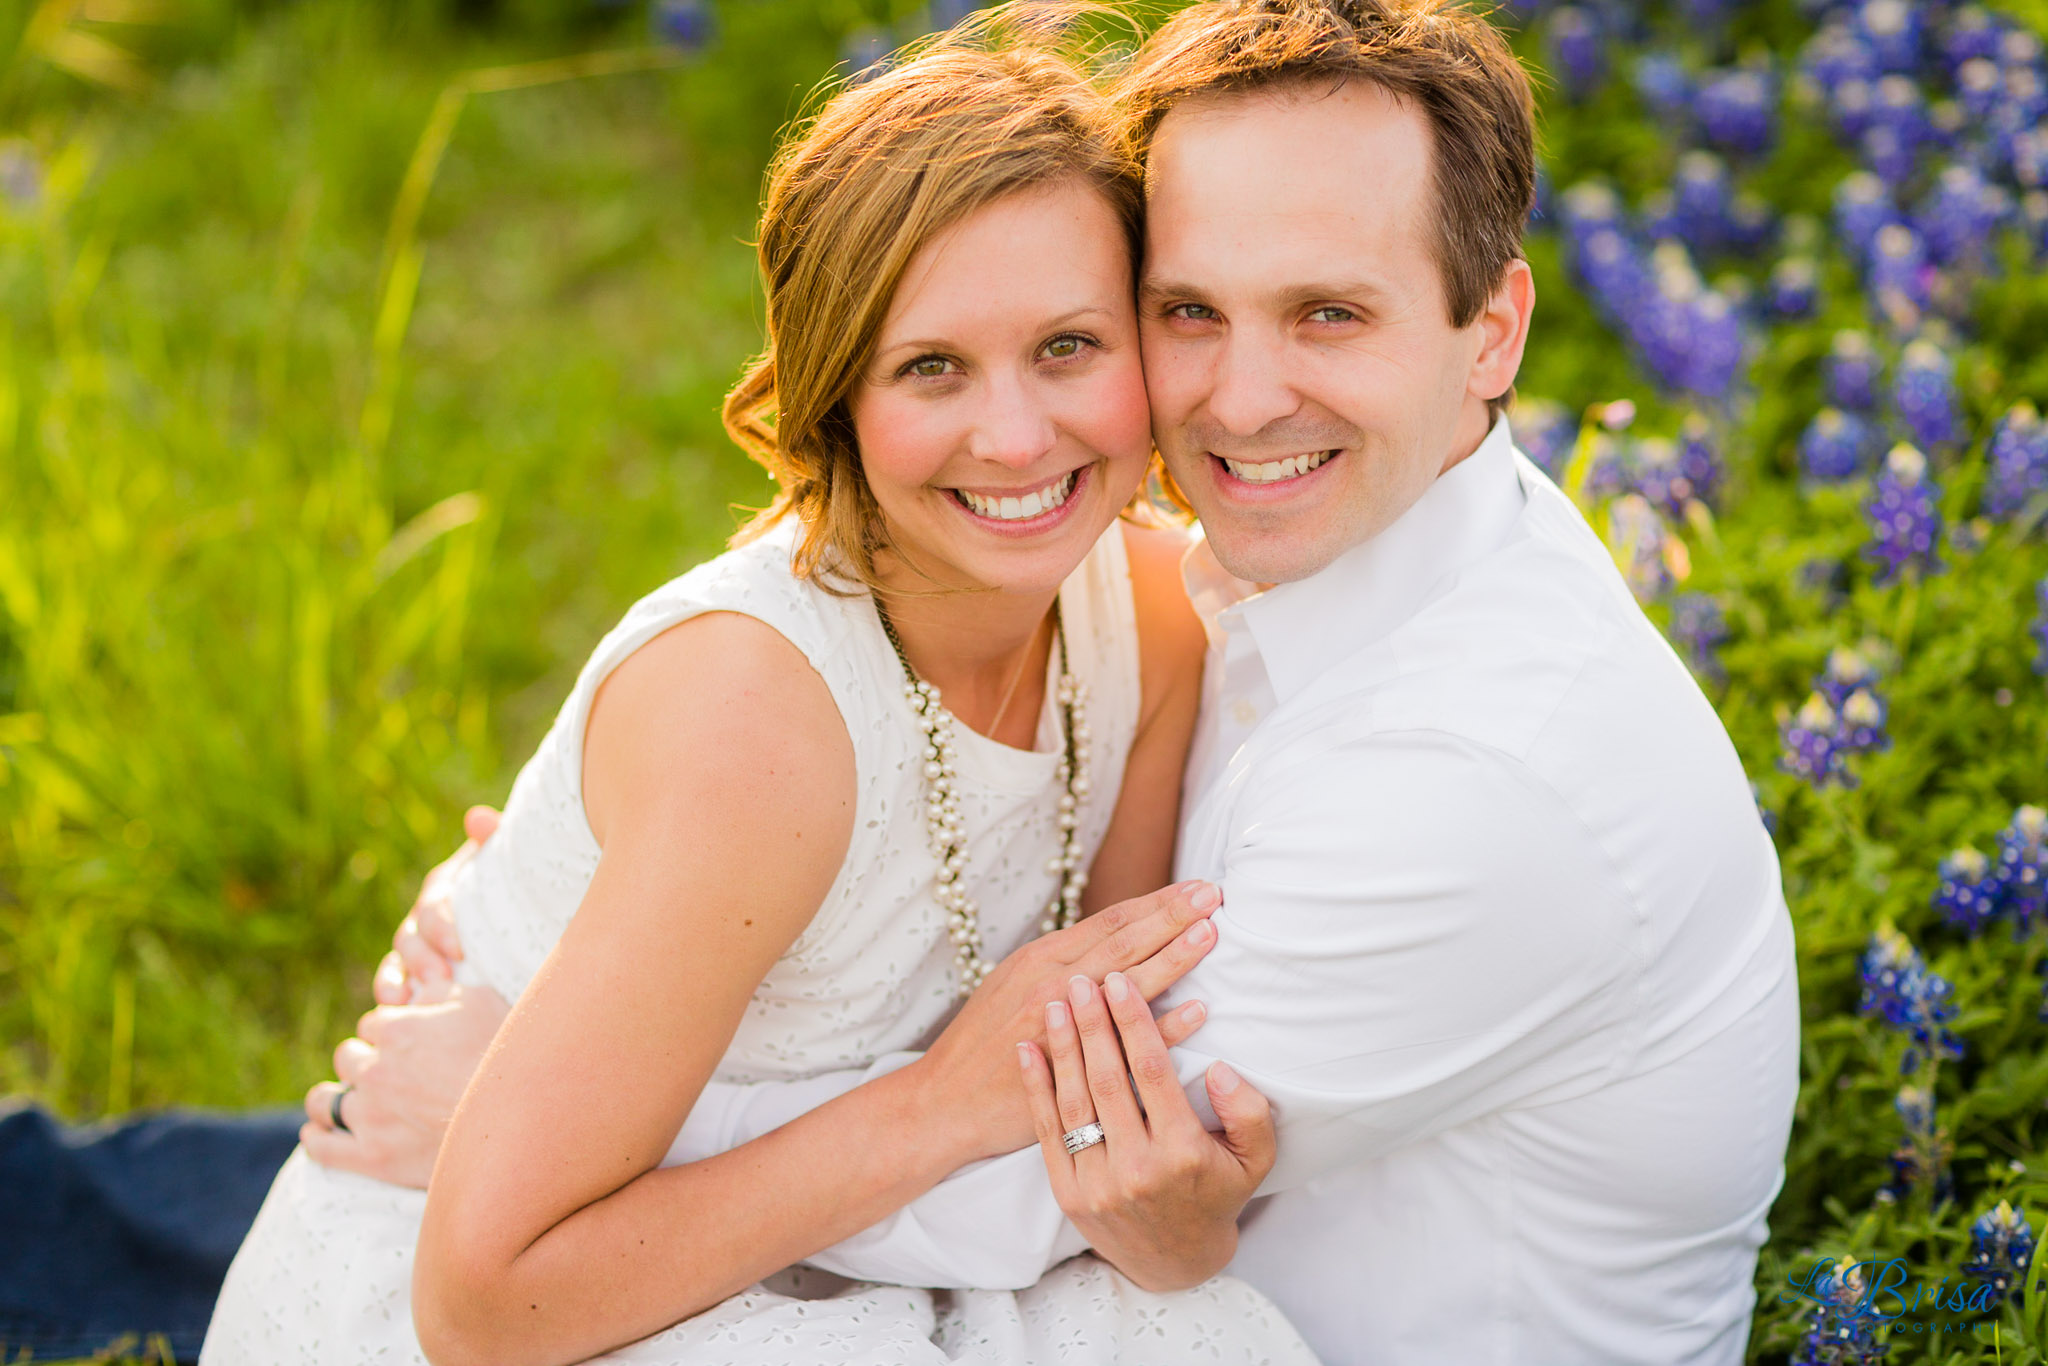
x: 1087, y: 1136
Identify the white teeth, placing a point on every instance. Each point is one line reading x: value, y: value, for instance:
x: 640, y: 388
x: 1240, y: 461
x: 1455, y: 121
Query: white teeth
x: 1013, y: 509
x: 1272, y: 470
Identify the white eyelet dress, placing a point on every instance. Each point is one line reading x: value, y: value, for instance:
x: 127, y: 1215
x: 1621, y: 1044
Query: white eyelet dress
x: 325, y: 1274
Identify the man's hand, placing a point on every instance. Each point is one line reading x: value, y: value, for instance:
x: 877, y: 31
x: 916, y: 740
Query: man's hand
x: 971, y: 1074
x: 420, y: 969
x: 1159, y: 1195
x: 405, y: 1069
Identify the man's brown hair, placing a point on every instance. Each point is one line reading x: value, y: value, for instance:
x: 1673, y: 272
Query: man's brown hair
x: 1449, y: 61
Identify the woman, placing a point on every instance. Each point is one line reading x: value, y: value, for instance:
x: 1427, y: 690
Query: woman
x: 755, y: 844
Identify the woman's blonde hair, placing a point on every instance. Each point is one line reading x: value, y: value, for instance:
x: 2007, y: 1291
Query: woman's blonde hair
x: 989, y: 109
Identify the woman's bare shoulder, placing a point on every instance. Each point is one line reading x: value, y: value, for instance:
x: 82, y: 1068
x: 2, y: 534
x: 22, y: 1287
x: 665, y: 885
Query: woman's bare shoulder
x: 720, y: 706
x: 1170, y: 638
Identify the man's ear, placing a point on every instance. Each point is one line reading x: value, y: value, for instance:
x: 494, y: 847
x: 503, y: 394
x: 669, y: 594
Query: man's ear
x: 1503, y: 332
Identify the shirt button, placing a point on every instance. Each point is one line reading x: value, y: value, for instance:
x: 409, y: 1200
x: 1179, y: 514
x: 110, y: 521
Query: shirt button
x: 1243, y: 712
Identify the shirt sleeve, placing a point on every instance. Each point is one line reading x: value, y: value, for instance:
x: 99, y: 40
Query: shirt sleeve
x: 1415, y: 931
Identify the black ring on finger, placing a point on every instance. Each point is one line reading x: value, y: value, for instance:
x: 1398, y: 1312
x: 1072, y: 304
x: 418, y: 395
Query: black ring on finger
x: 334, y: 1107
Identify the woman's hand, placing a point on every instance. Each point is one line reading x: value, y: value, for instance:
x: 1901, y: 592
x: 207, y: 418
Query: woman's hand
x: 404, y: 1071
x: 969, y: 1075
x: 420, y: 969
x: 1159, y: 1196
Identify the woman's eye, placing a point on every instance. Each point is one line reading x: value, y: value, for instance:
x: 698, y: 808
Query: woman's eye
x: 928, y: 367
x: 1065, y: 348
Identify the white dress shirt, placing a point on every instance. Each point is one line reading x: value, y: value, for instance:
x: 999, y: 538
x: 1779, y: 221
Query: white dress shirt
x: 1502, y: 939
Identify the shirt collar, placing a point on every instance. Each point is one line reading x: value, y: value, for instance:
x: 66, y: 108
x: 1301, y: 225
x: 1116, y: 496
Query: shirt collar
x: 1302, y: 628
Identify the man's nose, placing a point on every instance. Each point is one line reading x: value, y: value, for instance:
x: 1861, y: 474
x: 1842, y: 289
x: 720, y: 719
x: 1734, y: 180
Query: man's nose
x: 1014, y: 428
x: 1251, y: 387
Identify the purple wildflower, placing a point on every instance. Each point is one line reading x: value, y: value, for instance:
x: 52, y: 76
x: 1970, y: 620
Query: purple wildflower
x: 1738, y: 110
x: 687, y: 24
x: 1971, y: 894
x: 1843, y: 1328
x: 1853, y: 368
x: 1861, y: 723
x: 1665, y: 87
x: 1834, y: 54
x: 1836, y: 446
x: 1923, y: 1159
x: 1899, y: 988
x: 1637, y: 536
x: 1980, y: 87
x: 1578, y: 48
x: 1698, y: 629
x: 1546, y: 431
x: 1847, y: 671
x: 2001, y: 1250
x: 2023, y: 866
x: 1863, y: 207
x: 2018, y: 454
x: 1905, y: 517
x: 1892, y: 29
x: 1810, y: 745
x: 1795, y: 288
x: 1900, y: 275
x: 1924, y: 395
x: 1972, y: 36
x: 1959, y: 217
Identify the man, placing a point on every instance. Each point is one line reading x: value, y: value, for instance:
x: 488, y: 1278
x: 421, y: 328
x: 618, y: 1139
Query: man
x: 1502, y: 938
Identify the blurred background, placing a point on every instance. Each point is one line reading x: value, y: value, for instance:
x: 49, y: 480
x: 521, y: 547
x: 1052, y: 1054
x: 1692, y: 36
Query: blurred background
x: 359, y: 365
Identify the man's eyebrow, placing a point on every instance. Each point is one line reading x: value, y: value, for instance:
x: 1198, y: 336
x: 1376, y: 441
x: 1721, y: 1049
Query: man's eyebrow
x: 1154, y: 293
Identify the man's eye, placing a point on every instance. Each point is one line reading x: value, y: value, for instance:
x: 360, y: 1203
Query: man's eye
x: 1199, y: 313
x: 1333, y: 314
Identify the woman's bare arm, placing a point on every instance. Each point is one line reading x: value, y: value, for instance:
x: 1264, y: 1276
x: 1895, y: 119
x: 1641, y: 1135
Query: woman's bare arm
x: 1137, y: 851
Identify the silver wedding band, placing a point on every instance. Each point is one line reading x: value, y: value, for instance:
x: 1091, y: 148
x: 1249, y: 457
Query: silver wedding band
x: 334, y: 1106
x: 1087, y: 1136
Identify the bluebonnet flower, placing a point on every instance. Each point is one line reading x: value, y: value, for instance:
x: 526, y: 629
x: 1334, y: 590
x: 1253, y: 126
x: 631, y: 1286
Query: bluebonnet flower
x: 1842, y: 1330
x: 1847, y: 671
x: 1795, y: 288
x: 1899, y: 988
x: 1892, y: 156
x: 1980, y: 87
x: 1960, y: 215
x: 1900, y: 275
x: 2039, y: 630
x: 1860, y: 723
x: 1834, y: 54
x: 944, y: 14
x: 1897, y: 103
x: 2018, y: 454
x: 1578, y: 48
x: 1665, y: 87
x: 1698, y: 630
x: 1836, y: 446
x: 1546, y: 431
x: 1923, y: 1159
x: 1701, y: 198
x: 1905, y: 517
x: 1892, y: 30
x: 1971, y: 894
x: 2033, y: 220
x: 1972, y: 36
x: 1738, y: 109
x: 686, y: 24
x: 2023, y: 866
x: 1853, y: 368
x: 1636, y: 536
x: 1715, y: 355
x: 1924, y: 395
x: 1752, y: 225
x: 2001, y: 1250
x: 1699, y: 459
x: 1863, y: 207
x: 1810, y: 744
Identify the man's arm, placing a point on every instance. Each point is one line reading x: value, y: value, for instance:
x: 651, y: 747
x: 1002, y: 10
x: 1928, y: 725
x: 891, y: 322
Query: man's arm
x: 1428, y: 939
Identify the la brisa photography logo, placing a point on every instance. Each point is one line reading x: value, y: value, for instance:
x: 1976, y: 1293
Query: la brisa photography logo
x: 1850, y: 1300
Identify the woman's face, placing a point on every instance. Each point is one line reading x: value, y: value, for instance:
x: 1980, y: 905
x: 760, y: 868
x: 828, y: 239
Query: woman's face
x: 1002, y: 420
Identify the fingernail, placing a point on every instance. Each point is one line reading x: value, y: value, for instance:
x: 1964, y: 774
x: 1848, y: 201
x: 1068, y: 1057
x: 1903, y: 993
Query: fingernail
x: 1024, y: 1056
x: 1115, y: 987
x: 1079, y: 989
x: 1199, y: 933
x: 1225, y: 1079
x: 1194, y: 1012
x: 1055, y: 1014
x: 1206, y: 894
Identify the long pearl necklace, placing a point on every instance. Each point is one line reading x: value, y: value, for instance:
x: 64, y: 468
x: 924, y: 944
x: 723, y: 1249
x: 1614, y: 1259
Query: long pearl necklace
x: 947, y: 832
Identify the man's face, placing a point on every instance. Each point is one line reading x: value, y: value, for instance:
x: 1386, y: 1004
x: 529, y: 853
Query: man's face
x: 1306, y: 383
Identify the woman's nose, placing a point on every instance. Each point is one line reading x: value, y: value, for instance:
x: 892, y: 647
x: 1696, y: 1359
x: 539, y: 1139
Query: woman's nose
x: 1013, y: 428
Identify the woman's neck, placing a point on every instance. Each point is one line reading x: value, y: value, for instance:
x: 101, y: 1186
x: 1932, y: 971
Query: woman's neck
x: 977, y: 647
